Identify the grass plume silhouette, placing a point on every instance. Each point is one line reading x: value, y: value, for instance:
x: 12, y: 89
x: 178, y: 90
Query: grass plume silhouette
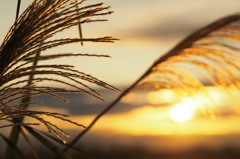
x: 31, y: 34
x: 212, y: 50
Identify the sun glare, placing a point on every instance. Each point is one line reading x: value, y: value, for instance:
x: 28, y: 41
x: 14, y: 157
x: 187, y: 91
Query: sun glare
x: 181, y: 112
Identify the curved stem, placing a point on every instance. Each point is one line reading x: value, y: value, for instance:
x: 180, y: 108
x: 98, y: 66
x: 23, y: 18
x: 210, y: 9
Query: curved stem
x: 187, y: 42
x: 110, y: 106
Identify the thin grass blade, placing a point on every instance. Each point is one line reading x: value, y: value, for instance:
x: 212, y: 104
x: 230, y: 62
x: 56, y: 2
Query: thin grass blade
x: 14, y: 147
x: 48, y: 143
x: 71, y: 147
x: 30, y: 145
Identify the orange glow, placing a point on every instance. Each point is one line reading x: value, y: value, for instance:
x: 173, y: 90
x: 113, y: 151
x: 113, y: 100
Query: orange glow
x: 163, y: 119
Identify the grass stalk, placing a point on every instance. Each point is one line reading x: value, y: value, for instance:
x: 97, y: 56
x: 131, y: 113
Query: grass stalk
x: 30, y: 145
x: 185, y: 43
x: 79, y: 25
x: 15, y: 131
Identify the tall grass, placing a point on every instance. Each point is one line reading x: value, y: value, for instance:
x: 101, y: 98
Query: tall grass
x: 209, y: 56
x: 22, y: 76
x: 211, y: 52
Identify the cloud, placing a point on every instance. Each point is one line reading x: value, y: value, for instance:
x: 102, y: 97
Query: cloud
x: 164, y: 31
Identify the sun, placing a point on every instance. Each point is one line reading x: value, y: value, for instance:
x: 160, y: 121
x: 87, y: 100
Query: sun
x: 181, y: 112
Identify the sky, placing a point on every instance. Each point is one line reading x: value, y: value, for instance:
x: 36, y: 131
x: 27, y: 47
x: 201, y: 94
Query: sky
x: 147, y: 30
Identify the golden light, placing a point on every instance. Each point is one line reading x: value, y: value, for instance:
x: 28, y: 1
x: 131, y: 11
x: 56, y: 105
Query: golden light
x: 181, y: 113
x: 162, y: 96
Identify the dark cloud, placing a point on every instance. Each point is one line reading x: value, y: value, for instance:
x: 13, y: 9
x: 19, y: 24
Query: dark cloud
x: 80, y: 104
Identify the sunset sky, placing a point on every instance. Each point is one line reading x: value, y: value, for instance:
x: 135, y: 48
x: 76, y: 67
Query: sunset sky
x: 147, y: 30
